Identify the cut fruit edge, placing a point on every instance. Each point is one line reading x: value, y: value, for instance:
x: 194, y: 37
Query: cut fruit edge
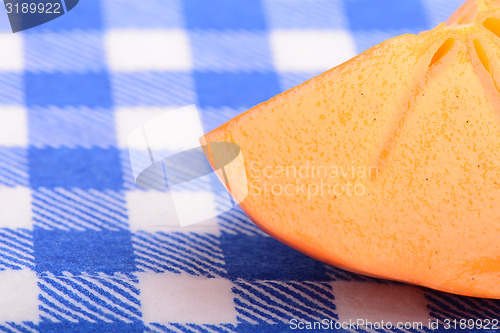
x: 473, y: 29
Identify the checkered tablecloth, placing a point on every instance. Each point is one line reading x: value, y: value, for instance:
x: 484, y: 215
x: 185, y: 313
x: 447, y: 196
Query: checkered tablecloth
x: 73, y: 254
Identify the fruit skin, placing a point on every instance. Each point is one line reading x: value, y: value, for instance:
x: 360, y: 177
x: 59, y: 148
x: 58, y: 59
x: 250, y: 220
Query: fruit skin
x: 422, y: 114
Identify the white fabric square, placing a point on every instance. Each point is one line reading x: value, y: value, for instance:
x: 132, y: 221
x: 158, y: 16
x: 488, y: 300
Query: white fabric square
x: 175, y: 131
x: 185, y: 202
x: 11, y: 57
x: 15, y: 203
x: 150, y: 210
x: 128, y: 119
x: 166, y: 128
x: 376, y: 302
x: 142, y: 50
x: 155, y: 211
x: 311, y: 50
x: 13, y: 126
x: 19, y: 296
x: 183, y: 298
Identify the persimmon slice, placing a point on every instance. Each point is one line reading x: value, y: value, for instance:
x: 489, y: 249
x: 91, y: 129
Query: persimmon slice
x: 387, y: 165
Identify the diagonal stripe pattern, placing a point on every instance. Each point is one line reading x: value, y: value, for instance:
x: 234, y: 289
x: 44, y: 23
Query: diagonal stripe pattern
x: 93, y: 298
x: 16, y: 249
x: 79, y: 210
x: 275, y: 302
x: 196, y: 254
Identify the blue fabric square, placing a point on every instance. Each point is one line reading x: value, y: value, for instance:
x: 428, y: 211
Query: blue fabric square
x: 89, y: 297
x: 85, y: 15
x: 104, y: 251
x: 264, y: 258
x: 176, y: 252
x: 264, y: 328
x: 4, y: 22
x: 77, y: 51
x: 456, y: 307
x: 386, y: 15
x: 235, y: 51
x: 78, y: 209
x: 280, y: 328
x: 95, y: 168
x: 224, y: 14
x: 143, y: 14
x: 153, y: 89
x: 288, y: 80
x: 11, y: 88
x: 71, y: 127
x: 60, y: 89
x: 304, y: 300
x: 235, y: 89
x: 87, y: 327
x: 14, y: 166
x: 16, y: 249
x: 313, y: 14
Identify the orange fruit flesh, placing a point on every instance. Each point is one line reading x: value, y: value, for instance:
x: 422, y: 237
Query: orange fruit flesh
x: 388, y: 164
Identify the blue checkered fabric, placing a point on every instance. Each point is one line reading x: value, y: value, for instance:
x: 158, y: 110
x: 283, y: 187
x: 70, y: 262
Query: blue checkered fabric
x: 73, y: 256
